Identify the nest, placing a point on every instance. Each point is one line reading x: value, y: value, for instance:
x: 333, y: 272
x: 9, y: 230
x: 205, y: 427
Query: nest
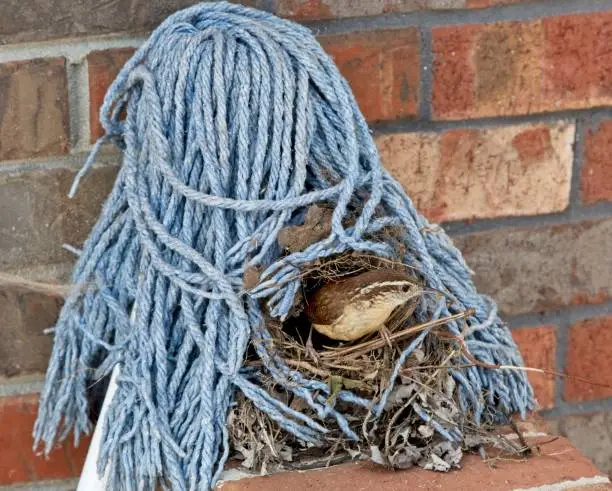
x: 422, y: 406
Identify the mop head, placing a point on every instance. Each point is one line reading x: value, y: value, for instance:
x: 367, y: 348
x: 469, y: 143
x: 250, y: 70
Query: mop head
x: 248, y: 177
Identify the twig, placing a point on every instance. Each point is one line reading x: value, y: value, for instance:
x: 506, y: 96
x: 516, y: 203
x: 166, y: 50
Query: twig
x: 526, y: 450
x: 381, y: 343
x: 53, y: 289
x: 475, y: 362
x: 307, y: 366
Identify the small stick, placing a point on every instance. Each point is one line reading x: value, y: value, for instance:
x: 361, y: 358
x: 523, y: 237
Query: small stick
x: 526, y: 450
x: 307, y: 366
x: 52, y: 289
x: 465, y: 351
x: 381, y: 343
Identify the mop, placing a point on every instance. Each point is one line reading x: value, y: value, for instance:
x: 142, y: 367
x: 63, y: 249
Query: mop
x: 231, y: 122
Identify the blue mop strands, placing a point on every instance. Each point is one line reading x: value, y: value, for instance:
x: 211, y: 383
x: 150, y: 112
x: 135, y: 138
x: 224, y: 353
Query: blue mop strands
x: 235, y: 121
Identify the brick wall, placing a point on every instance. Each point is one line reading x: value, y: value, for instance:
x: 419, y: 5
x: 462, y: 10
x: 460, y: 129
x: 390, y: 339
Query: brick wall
x: 494, y: 114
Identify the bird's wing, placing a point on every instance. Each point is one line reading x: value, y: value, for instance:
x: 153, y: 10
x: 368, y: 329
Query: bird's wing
x: 323, y: 306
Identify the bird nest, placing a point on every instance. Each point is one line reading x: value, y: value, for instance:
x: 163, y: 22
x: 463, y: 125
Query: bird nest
x: 403, y: 435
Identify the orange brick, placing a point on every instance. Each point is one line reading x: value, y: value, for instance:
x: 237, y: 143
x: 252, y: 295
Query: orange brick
x: 597, y: 170
x: 33, y: 109
x: 577, y: 62
x: 18, y: 463
x: 103, y: 68
x: 382, y: 68
x: 467, y: 173
x: 538, y: 349
x: 511, y: 68
x: 589, y: 354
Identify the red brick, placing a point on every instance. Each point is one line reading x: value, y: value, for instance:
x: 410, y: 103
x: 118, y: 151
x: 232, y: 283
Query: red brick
x: 33, y: 109
x: 589, y: 354
x: 484, y: 173
x: 103, y: 68
x: 557, y: 462
x: 597, y: 168
x: 536, y: 269
x: 512, y: 68
x: 304, y: 10
x: 18, y: 463
x: 382, y: 68
x: 538, y: 348
x: 577, y: 61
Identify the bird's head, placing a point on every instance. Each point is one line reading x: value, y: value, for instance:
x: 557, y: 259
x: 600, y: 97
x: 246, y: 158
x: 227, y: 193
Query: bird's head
x: 382, y: 288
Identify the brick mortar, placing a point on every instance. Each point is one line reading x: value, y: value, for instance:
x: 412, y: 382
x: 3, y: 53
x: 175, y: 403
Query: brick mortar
x: 562, y: 346
x: 72, y: 162
x: 60, y: 485
x: 437, y: 126
x: 584, y: 213
x: 78, y: 105
x: 563, y: 319
x: 74, y: 50
x: 583, y: 482
x: 578, y: 408
x: 426, y: 85
x: 571, y: 314
x: 579, y: 136
x: 20, y: 387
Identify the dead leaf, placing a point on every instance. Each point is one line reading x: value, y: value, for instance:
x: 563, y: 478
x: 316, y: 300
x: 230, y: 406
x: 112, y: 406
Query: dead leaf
x: 251, y: 277
x: 376, y: 455
x: 316, y: 226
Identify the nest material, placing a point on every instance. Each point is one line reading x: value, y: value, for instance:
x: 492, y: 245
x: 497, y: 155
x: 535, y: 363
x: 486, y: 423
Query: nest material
x: 400, y: 437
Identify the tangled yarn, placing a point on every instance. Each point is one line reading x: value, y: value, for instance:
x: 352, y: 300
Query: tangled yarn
x: 231, y: 121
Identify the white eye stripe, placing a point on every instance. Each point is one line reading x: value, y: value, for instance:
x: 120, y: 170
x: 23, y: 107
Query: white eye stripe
x: 383, y: 284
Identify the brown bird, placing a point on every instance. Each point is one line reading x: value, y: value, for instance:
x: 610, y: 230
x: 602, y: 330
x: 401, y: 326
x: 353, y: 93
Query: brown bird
x: 353, y: 307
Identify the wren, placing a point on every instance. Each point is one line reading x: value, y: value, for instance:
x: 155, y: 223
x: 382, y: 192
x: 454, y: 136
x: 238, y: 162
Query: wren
x: 350, y: 308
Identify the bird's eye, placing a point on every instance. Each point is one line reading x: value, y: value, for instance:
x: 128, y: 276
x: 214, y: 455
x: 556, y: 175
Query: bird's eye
x: 406, y: 288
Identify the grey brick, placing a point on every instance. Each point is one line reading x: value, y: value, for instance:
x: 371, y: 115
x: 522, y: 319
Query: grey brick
x: 23, y: 317
x: 37, y: 217
x: 539, y: 269
x: 591, y: 433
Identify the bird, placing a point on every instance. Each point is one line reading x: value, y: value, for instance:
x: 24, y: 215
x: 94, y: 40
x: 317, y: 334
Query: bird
x: 353, y: 307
